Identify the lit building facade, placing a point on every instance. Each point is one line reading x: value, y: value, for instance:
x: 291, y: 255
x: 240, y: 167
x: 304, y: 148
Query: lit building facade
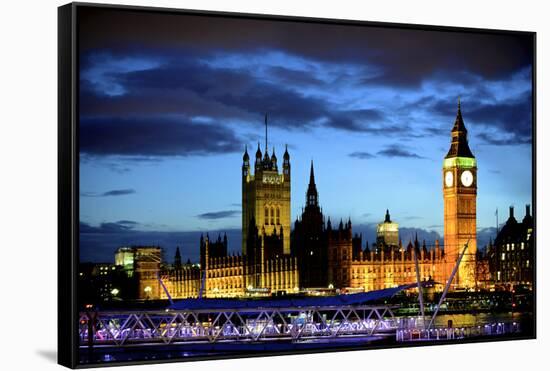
x: 317, y: 255
x: 266, y: 195
x: 142, y: 266
x: 264, y: 271
x: 511, y: 255
x: 377, y: 270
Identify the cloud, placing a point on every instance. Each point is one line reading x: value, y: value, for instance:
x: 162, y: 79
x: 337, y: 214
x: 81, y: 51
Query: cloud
x: 511, y: 121
x: 114, y: 192
x: 143, y: 137
x: 435, y: 226
x: 99, y: 243
x: 294, y: 77
x: 118, y: 192
x: 484, y: 235
x: 437, y: 131
x: 498, y: 122
x: 127, y: 222
x: 412, y: 217
x: 509, y: 141
x: 430, y: 236
x: 398, y: 151
x: 361, y: 155
x: 122, y: 226
x: 218, y: 214
x: 236, y: 86
x: 403, y: 57
x: 187, y: 86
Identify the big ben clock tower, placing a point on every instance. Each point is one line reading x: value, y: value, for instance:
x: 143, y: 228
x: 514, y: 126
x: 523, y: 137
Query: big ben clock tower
x: 459, y: 197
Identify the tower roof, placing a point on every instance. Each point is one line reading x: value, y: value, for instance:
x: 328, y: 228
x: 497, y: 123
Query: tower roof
x: 245, y: 156
x: 387, y: 218
x: 459, y: 121
x: 459, y: 141
x: 311, y: 175
x: 312, y: 196
x: 259, y: 152
x: 286, y: 156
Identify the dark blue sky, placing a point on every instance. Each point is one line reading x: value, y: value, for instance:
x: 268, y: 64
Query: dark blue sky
x: 167, y: 104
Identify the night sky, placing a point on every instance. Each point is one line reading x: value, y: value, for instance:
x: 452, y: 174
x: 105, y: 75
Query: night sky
x: 168, y: 103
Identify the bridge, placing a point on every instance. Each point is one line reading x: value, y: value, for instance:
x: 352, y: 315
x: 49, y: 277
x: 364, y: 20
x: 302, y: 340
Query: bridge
x: 258, y: 324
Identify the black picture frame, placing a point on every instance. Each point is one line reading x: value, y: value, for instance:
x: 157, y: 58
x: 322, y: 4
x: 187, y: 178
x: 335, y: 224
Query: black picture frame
x: 68, y: 171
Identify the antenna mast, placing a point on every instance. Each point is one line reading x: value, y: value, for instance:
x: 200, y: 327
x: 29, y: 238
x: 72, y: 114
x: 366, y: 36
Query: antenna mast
x: 266, y: 133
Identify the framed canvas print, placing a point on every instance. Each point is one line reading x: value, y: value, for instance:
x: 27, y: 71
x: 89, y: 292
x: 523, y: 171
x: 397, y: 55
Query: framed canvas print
x: 235, y: 185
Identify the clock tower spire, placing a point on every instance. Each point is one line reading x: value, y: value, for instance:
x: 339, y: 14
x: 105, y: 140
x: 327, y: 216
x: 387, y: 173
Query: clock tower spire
x: 459, y: 203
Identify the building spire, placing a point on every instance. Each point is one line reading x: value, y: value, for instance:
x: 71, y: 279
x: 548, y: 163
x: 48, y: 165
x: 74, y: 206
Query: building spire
x: 258, y: 154
x: 459, y: 135
x: 387, y: 219
x: 312, y: 196
x: 311, y: 175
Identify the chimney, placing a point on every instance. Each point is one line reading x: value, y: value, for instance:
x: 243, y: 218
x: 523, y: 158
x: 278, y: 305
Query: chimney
x: 511, y: 211
x: 527, y: 210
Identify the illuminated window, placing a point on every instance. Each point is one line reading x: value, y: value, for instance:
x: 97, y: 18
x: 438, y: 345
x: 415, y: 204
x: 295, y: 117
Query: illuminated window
x: 522, y: 245
x: 498, y: 276
x: 507, y: 247
x: 512, y: 247
x: 527, y: 263
x: 503, y: 256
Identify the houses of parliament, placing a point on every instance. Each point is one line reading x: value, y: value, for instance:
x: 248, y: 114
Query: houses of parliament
x: 320, y: 254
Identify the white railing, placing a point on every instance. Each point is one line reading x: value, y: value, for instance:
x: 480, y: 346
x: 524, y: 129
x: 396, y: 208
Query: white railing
x: 212, y: 325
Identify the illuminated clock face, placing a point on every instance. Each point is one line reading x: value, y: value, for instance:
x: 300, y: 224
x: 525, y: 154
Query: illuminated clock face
x: 448, y: 178
x: 467, y: 178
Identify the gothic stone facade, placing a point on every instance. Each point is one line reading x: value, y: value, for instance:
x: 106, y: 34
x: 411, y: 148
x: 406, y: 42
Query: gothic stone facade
x: 317, y: 256
x: 265, y: 270
x: 266, y: 195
